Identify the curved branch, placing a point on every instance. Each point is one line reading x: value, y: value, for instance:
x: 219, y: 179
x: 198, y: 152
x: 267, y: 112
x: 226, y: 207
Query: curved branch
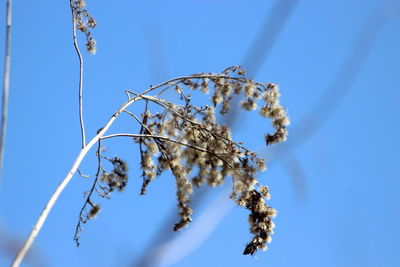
x: 53, y: 199
x: 99, y: 136
x: 84, y: 150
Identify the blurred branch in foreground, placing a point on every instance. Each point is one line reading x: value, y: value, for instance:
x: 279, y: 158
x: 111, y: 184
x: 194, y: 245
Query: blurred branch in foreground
x: 9, y: 246
x: 298, y: 175
x: 302, y: 131
x: 339, y: 86
x: 193, y: 236
x: 158, y: 64
x: 6, y: 85
x: 273, y: 25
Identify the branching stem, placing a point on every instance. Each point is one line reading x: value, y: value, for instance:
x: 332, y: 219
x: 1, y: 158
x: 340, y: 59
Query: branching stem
x: 54, y: 197
x: 88, y: 201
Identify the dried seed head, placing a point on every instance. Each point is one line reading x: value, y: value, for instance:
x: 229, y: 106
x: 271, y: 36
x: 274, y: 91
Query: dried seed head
x: 248, y: 104
x: 91, y: 46
x: 216, y: 99
x: 93, y: 211
x: 249, y: 88
x: 204, y: 86
x: 261, y: 164
x: 80, y: 3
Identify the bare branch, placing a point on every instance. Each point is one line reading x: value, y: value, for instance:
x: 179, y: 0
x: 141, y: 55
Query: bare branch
x: 80, y: 92
x: 6, y: 85
x: 81, y: 217
x: 53, y: 199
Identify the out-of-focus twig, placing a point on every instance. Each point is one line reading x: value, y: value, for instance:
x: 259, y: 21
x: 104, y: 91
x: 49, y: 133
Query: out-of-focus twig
x: 6, y: 85
x: 337, y: 89
x: 297, y: 173
x: 267, y: 36
x: 262, y: 45
x: 9, y: 245
x: 156, y: 249
x: 166, y: 254
x: 156, y: 52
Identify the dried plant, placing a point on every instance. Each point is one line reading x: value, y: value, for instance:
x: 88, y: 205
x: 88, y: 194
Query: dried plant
x: 186, y: 140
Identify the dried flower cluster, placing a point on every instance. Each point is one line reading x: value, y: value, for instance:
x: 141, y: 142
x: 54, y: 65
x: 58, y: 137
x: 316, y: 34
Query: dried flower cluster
x: 188, y: 141
x: 115, y: 180
x: 273, y: 110
x: 105, y: 183
x: 83, y: 21
x: 260, y: 219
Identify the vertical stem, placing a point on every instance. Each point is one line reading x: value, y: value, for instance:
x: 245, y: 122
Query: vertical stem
x: 6, y: 84
x: 78, y: 52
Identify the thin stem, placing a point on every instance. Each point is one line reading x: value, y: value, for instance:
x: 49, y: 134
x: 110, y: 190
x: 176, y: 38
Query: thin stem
x: 81, y: 218
x: 83, y: 175
x: 134, y: 116
x: 78, y: 52
x: 165, y: 89
x: 6, y: 85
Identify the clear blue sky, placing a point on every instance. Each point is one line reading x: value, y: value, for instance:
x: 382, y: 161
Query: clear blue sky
x: 336, y: 194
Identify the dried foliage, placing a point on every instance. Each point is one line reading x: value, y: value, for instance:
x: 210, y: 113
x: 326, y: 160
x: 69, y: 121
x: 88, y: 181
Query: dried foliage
x: 104, y: 183
x: 187, y: 141
x: 182, y: 138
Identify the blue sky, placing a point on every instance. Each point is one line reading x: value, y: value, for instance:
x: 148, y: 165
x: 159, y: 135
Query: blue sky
x: 335, y: 183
